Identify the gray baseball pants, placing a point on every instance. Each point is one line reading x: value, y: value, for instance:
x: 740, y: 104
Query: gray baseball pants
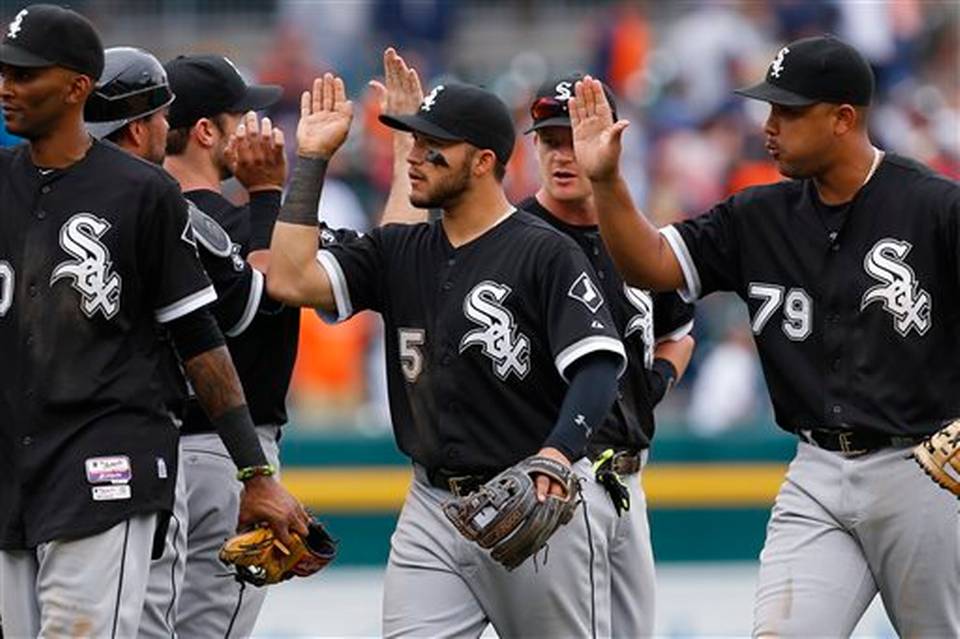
x: 846, y: 528
x: 89, y: 587
x: 438, y: 584
x: 208, y: 601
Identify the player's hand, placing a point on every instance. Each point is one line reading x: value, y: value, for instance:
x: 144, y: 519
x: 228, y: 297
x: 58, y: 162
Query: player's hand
x: 325, y: 117
x: 545, y: 485
x: 264, y: 500
x: 596, y: 137
x: 255, y: 153
x: 400, y: 93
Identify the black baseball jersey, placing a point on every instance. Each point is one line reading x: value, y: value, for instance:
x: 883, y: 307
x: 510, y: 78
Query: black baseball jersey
x: 91, y: 257
x: 263, y: 345
x: 262, y: 334
x: 477, y: 337
x: 854, y: 309
x: 643, y: 319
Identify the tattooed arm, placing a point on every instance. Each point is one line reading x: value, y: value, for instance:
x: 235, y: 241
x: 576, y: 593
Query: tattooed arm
x: 214, y: 379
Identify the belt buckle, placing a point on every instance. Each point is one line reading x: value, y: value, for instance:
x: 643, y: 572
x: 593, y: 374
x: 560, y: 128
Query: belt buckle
x: 845, y: 445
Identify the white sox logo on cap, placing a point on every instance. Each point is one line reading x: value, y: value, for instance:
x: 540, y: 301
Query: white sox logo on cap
x: 498, y: 339
x: 776, y: 67
x: 16, y: 24
x: 564, y: 91
x: 91, y: 271
x: 900, y: 292
x: 431, y: 98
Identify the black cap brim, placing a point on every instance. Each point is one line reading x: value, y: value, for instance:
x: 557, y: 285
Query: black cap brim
x: 560, y: 120
x: 257, y: 98
x: 416, y: 124
x: 771, y: 93
x: 17, y: 57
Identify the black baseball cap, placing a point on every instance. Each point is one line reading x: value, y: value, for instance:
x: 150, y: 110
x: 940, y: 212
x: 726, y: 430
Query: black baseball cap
x: 817, y: 69
x: 461, y: 113
x: 207, y: 85
x: 549, y: 106
x: 45, y: 35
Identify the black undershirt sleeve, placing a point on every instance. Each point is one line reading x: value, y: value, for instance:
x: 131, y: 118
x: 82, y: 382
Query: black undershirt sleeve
x: 593, y: 387
x: 661, y: 377
x: 264, y: 207
x: 194, y: 333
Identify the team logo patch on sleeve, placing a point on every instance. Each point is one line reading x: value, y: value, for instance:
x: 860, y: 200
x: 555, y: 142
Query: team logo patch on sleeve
x: 900, y: 292
x: 585, y: 291
x: 91, y: 270
x: 498, y: 338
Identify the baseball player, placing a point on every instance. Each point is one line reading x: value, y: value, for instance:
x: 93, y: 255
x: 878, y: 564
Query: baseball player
x: 95, y: 248
x: 129, y: 108
x: 211, y: 138
x: 655, y: 332
x: 489, y: 314
x: 849, y: 274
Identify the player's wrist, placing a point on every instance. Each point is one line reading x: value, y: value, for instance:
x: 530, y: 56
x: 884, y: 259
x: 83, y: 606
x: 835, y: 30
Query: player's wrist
x: 266, y: 186
x: 252, y: 473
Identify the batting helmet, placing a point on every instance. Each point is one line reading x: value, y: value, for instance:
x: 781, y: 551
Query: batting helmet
x: 133, y: 85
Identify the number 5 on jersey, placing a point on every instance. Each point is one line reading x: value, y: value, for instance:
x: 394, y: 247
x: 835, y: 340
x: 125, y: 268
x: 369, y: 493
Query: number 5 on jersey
x: 411, y: 355
x: 797, y: 309
x: 6, y: 287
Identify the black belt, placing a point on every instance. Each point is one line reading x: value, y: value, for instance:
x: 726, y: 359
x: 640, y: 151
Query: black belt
x: 853, y: 442
x: 624, y: 461
x: 459, y: 483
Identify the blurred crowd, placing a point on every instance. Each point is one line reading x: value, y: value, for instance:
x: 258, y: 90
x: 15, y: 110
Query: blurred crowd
x: 672, y: 65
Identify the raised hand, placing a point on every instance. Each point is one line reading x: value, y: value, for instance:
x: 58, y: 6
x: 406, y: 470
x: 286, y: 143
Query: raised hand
x: 325, y: 117
x: 256, y: 155
x: 596, y: 137
x: 400, y: 93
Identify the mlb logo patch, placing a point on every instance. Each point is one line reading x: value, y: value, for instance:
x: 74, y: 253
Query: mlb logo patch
x: 109, y: 470
x: 586, y: 292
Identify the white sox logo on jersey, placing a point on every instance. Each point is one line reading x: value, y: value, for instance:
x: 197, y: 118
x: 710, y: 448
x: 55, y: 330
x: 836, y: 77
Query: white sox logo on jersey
x: 642, y: 301
x: 16, y: 25
x: 498, y: 339
x: 91, y: 270
x: 776, y: 67
x: 431, y: 98
x: 900, y: 292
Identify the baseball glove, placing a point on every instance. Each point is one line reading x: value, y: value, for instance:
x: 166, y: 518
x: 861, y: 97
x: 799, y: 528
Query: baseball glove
x: 939, y: 456
x: 504, y: 513
x: 261, y: 559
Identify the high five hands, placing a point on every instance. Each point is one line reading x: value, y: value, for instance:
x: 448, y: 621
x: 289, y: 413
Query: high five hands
x: 596, y: 137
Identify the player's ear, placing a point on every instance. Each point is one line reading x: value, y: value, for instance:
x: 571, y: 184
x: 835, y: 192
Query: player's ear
x: 484, y: 161
x: 846, y: 119
x: 79, y: 87
x: 205, y: 132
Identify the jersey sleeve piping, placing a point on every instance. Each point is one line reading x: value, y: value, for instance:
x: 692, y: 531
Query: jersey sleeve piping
x: 186, y: 305
x: 676, y: 334
x: 338, y: 282
x: 586, y: 346
x: 253, y: 302
x: 691, y: 291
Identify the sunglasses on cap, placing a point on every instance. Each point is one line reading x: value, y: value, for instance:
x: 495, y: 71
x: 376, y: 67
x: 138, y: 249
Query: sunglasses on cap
x: 548, y: 107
